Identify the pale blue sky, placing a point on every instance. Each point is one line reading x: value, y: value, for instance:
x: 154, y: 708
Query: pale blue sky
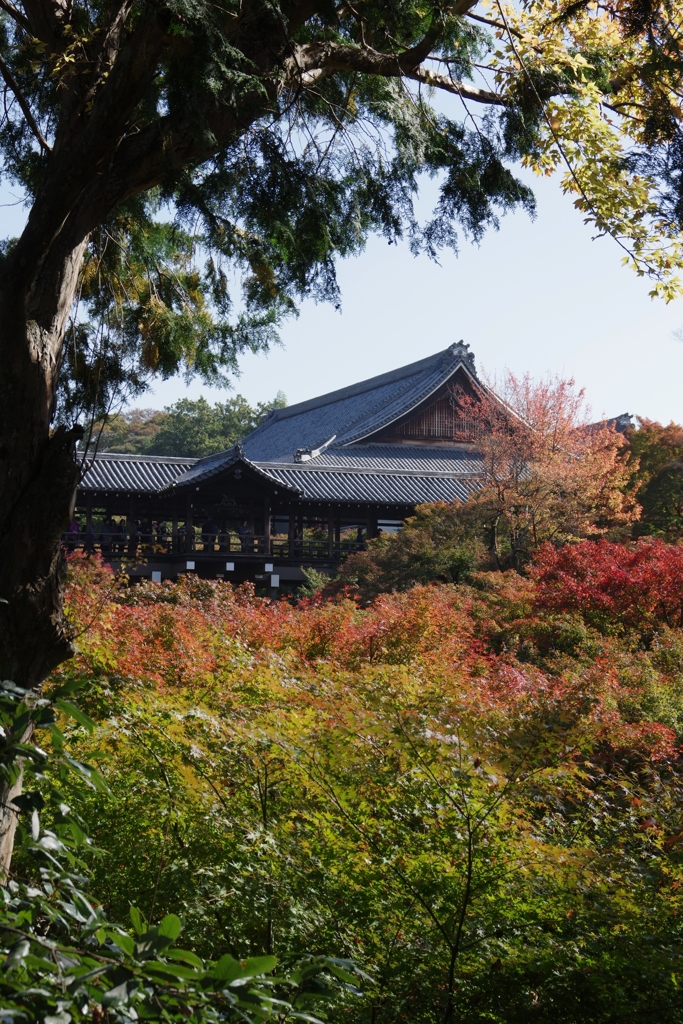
x: 535, y: 296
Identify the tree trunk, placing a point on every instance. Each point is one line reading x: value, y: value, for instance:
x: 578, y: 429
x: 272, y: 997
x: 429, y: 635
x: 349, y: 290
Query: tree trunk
x: 34, y: 637
x: 38, y: 478
x: 96, y: 162
x: 38, y: 472
x: 493, y: 542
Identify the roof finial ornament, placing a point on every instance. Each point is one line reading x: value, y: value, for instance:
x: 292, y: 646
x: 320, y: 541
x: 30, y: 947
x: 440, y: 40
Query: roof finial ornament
x: 306, y: 454
x: 461, y: 350
x: 239, y: 450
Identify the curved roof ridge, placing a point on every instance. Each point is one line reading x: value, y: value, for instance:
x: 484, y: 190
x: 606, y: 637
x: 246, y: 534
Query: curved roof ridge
x: 370, y: 384
x: 135, y: 457
x: 207, y: 467
x: 356, y: 412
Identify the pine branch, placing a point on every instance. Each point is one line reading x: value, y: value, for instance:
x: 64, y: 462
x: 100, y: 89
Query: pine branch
x: 26, y: 110
x: 316, y: 61
x: 468, y: 92
x: 15, y: 14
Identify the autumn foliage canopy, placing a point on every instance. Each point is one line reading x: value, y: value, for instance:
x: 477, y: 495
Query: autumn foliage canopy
x: 613, y: 585
x: 471, y: 791
x: 456, y: 768
x: 549, y: 474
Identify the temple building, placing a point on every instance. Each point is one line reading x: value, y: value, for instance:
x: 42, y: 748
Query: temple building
x: 304, y: 489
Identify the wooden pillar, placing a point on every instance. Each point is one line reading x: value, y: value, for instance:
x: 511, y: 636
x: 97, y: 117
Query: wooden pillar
x: 89, y: 545
x: 130, y: 522
x: 330, y: 531
x: 267, y: 523
x: 131, y: 528
x: 291, y: 531
x: 174, y: 526
x: 371, y: 530
x: 189, y: 525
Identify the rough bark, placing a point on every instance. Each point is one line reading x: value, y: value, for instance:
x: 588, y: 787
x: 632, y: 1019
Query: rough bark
x: 38, y: 473
x: 95, y: 163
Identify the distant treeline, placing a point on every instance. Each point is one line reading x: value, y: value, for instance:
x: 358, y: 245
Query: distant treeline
x: 186, y: 428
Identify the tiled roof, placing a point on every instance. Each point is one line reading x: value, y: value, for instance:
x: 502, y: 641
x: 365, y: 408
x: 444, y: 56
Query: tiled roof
x: 337, y: 466
x: 203, y: 469
x: 378, y: 459
x: 383, y: 473
x: 377, y: 488
x: 335, y: 420
x: 141, y: 474
x: 355, y: 412
x: 316, y: 449
x: 620, y: 423
x: 398, y: 457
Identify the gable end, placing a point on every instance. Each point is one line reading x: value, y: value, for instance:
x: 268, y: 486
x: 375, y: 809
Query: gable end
x: 439, y: 419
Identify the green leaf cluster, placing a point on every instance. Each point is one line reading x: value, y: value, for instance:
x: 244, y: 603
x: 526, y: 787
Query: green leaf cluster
x: 436, y: 545
x: 63, y: 960
x: 657, y: 458
x: 186, y: 428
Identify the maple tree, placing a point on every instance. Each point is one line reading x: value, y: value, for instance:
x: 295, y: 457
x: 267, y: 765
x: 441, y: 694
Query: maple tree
x: 435, y: 545
x: 662, y: 503
x: 636, y: 586
x: 548, y: 474
x: 653, y: 446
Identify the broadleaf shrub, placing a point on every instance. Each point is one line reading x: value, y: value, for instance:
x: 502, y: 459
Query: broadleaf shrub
x: 614, y: 586
x: 62, y: 957
x: 471, y: 791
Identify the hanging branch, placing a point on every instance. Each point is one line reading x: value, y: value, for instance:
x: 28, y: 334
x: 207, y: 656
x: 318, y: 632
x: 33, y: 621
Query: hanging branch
x: 15, y: 14
x: 30, y: 119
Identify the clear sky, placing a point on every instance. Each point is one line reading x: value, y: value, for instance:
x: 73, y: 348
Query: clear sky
x: 539, y: 296
x: 536, y: 296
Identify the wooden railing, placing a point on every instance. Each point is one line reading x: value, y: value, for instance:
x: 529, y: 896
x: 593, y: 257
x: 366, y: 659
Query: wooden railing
x: 141, y: 545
